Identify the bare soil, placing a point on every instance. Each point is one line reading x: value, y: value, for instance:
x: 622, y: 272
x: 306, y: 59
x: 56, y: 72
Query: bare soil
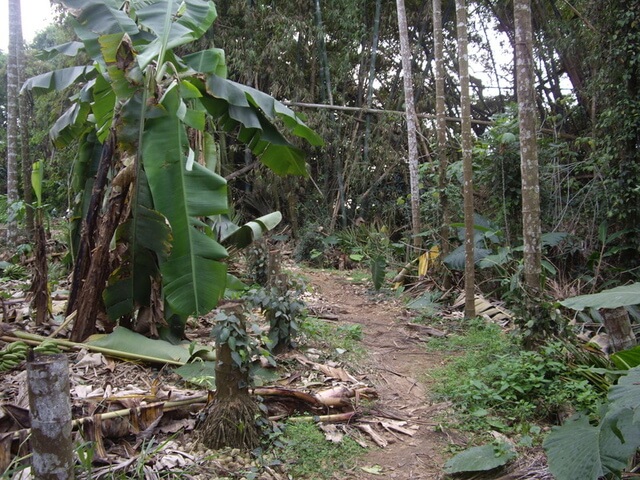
x: 397, y: 365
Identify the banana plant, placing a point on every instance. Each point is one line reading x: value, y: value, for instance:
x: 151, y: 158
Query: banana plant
x: 140, y: 115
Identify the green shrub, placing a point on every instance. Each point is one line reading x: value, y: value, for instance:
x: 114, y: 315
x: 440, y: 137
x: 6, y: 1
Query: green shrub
x: 494, y: 383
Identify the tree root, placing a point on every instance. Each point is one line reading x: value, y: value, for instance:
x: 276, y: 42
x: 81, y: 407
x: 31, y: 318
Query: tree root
x: 231, y: 423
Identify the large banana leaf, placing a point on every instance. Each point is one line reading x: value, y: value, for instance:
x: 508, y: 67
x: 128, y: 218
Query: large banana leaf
x: 174, y: 22
x: 235, y: 105
x: 243, y: 236
x: 59, y: 79
x: 612, y: 298
x: 193, y: 278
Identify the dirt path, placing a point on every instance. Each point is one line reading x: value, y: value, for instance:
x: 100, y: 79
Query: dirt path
x: 396, y: 365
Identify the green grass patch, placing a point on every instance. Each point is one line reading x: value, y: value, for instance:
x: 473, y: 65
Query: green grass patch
x: 332, y: 338
x: 309, y: 455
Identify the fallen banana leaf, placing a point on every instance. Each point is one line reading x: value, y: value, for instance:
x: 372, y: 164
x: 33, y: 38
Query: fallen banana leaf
x: 160, y: 352
x: 130, y: 342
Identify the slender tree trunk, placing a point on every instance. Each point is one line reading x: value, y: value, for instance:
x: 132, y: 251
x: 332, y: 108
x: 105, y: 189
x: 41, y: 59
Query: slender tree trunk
x: 410, y: 109
x: 441, y: 129
x: 324, y: 60
x: 467, y: 160
x: 328, y: 94
x: 372, y: 76
x: 528, y: 146
x: 27, y: 161
x: 15, y: 42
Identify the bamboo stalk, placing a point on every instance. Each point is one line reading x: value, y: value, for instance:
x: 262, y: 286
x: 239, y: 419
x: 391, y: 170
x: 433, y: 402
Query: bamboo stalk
x: 334, y: 418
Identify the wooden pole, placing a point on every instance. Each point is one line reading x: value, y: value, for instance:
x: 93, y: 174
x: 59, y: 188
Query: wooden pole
x: 50, y: 413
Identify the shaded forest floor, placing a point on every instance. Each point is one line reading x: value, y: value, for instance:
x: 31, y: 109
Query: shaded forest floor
x: 398, y: 424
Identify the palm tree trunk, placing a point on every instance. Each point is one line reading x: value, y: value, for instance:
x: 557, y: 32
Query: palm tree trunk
x: 15, y: 41
x: 528, y: 146
x: 27, y: 161
x: 467, y: 160
x: 410, y: 109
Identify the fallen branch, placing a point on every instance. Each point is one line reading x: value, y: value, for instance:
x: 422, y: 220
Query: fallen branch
x: 126, y: 412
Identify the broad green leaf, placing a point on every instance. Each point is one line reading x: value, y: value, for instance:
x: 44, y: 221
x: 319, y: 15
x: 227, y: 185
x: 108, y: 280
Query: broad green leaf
x: 103, y: 107
x: 580, y: 451
x: 627, y: 359
x: 626, y: 393
x: 147, y: 238
x: 480, y: 459
x: 503, y: 256
x: 199, y: 373
x: 119, y: 58
x: 233, y: 104
x: 174, y: 23
x: 193, y: 278
x: 619, y: 438
x: 124, y: 340
x: 455, y: 260
x: 70, y: 125
x: 613, y: 298
x: 59, y: 79
x: 552, y: 239
x: 209, y: 61
x: 252, y: 231
x: 284, y: 160
x: 573, y: 450
x: 102, y: 16
x: 69, y: 49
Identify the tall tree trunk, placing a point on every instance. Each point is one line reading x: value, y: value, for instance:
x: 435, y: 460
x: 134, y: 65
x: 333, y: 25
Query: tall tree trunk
x: 372, y: 76
x: 27, y: 161
x: 13, y: 90
x: 325, y: 76
x: 467, y: 160
x: 441, y: 129
x: 410, y: 109
x: 528, y: 146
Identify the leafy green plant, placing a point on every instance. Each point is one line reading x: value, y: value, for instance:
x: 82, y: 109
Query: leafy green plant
x: 139, y: 85
x: 580, y: 450
x: 229, y: 330
x: 496, y: 384
x: 368, y: 243
x: 13, y: 271
x: 282, y: 309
